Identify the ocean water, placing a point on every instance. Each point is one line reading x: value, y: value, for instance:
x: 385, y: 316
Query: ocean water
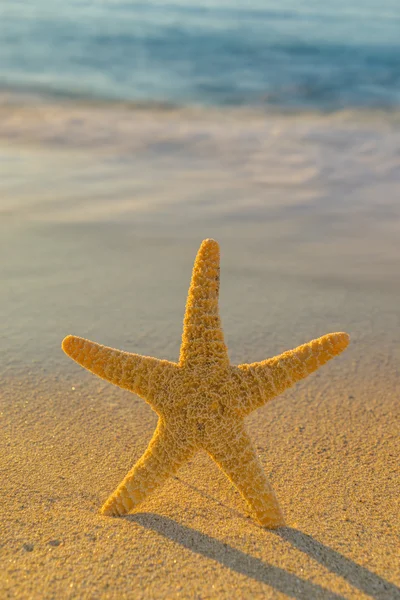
x: 291, y: 54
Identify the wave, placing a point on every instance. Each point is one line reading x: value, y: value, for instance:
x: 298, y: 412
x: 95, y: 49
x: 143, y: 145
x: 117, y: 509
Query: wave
x: 14, y: 96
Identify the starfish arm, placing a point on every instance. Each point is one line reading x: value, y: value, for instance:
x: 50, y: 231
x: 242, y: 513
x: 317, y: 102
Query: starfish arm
x: 203, y: 339
x: 237, y: 458
x: 139, y: 374
x: 163, y: 457
x: 261, y: 381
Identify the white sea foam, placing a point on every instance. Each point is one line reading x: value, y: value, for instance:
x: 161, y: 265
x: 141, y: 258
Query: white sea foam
x: 323, y: 189
x: 96, y: 162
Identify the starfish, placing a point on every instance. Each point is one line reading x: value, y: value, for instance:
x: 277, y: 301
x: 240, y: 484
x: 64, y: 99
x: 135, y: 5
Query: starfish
x: 202, y: 400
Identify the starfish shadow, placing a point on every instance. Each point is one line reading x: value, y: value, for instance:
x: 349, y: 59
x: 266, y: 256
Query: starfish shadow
x: 358, y: 576
x: 233, y: 511
x: 233, y: 559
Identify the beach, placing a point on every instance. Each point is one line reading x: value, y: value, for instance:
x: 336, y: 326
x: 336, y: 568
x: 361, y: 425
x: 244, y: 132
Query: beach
x: 101, y: 215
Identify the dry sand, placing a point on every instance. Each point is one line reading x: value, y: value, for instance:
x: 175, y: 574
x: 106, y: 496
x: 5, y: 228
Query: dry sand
x: 326, y: 258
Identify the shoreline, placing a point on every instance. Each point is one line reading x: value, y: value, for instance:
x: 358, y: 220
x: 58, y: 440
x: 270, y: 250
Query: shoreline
x: 25, y: 116
x: 22, y: 96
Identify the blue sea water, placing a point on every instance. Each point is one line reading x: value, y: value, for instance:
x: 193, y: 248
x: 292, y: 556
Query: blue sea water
x: 291, y: 54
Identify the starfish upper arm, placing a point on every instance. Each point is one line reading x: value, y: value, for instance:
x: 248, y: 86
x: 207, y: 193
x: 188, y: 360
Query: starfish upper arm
x: 203, y: 338
x: 133, y: 372
x: 262, y: 381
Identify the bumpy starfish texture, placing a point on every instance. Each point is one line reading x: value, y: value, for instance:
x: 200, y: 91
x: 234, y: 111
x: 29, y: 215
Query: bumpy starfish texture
x: 202, y: 400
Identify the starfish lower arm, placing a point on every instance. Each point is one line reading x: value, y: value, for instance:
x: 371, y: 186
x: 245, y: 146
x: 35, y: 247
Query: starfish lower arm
x: 237, y: 458
x: 262, y: 381
x: 162, y: 459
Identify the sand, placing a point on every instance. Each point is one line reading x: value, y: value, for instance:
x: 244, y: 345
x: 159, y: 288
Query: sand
x: 97, y: 239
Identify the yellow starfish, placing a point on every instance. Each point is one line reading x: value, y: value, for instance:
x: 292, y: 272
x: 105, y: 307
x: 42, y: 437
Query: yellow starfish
x: 202, y: 400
